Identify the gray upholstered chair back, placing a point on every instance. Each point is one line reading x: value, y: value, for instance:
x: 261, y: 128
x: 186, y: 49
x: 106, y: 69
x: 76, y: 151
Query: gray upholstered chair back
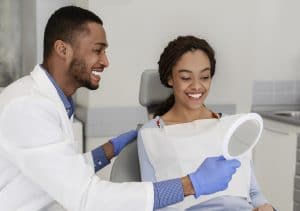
x: 126, y: 166
x: 152, y: 92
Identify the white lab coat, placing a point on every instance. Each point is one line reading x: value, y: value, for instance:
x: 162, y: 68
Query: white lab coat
x: 39, y: 163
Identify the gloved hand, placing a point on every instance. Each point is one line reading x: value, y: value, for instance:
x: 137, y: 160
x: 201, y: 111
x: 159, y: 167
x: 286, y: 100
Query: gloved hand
x: 213, y: 175
x: 122, y: 140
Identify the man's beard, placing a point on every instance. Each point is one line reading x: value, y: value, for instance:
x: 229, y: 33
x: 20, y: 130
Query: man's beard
x: 78, y: 70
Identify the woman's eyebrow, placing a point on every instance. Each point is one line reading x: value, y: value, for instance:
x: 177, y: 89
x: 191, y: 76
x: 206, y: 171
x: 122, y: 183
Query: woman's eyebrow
x: 206, y: 69
x: 189, y: 71
x: 184, y: 70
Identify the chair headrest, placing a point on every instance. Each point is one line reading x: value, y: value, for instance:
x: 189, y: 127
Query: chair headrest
x: 152, y: 92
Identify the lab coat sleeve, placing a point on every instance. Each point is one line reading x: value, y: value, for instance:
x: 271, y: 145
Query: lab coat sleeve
x: 32, y: 134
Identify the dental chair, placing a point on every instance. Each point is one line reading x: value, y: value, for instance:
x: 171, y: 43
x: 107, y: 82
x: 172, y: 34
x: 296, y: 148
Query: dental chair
x: 126, y: 166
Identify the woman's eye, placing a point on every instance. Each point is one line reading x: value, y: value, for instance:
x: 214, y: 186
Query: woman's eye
x: 185, y: 78
x: 205, y: 78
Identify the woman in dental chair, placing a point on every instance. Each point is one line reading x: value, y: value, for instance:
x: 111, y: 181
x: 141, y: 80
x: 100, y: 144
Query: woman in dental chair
x: 187, y: 65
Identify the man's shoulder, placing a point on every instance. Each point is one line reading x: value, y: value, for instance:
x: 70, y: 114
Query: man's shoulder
x: 23, y: 93
x: 18, y: 87
x: 15, y: 90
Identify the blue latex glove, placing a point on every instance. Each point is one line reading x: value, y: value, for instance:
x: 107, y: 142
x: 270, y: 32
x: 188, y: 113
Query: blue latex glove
x: 122, y: 140
x: 213, y: 175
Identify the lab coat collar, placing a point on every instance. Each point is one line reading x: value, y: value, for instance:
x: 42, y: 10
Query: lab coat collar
x: 45, y: 87
x: 67, y: 101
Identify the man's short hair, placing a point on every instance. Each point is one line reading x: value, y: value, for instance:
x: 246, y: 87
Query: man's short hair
x: 64, y: 24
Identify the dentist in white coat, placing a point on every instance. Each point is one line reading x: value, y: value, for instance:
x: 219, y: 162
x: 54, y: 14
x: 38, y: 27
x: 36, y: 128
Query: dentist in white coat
x: 40, y: 167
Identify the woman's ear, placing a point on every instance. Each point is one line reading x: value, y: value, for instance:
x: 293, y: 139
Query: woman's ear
x: 170, y: 82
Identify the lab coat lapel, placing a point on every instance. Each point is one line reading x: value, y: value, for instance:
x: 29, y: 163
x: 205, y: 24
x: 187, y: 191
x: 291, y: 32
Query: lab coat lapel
x: 45, y: 88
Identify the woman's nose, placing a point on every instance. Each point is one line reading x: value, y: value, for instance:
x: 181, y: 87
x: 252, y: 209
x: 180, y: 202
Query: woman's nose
x: 197, y: 84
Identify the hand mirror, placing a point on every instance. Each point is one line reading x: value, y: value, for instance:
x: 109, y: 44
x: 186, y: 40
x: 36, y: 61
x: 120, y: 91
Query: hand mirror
x: 242, y: 136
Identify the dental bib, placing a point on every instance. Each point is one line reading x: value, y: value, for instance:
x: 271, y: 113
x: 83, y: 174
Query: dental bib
x: 177, y: 150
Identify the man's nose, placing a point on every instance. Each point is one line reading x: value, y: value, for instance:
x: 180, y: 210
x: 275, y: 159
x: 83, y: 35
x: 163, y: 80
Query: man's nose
x: 104, y: 60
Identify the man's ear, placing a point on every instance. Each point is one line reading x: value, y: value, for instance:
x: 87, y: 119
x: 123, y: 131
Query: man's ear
x: 61, y: 48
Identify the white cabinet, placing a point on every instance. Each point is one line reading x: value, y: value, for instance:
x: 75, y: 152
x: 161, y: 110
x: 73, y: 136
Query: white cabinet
x: 275, y: 161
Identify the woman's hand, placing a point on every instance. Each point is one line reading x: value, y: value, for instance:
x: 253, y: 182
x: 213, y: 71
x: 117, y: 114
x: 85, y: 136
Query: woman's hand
x: 265, y: 207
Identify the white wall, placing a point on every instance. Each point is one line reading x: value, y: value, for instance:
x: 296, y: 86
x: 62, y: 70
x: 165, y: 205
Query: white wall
x: 277, y: 40
x: 253, y: 40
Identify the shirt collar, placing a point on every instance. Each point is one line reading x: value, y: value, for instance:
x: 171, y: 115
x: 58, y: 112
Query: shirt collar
x: 67, y: 101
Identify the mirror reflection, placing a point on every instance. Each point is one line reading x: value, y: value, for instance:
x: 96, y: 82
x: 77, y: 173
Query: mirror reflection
x: 243, y: 138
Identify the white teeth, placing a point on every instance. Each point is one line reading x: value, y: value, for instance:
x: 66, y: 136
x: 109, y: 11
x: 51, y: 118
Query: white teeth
x: 97, y: 69
x: 195, y: 96
x: 96, y: 73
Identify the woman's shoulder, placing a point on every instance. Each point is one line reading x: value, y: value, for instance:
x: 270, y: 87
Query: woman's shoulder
x: 153, y: 123
x: 150, y: 124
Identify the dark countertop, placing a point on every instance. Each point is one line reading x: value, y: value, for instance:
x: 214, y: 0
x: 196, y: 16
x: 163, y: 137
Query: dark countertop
x: 268, y: 111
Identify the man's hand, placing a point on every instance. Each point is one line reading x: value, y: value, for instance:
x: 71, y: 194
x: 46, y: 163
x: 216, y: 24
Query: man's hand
x: 122, y: 140
x: 213, y: 175
x: 265, y: 207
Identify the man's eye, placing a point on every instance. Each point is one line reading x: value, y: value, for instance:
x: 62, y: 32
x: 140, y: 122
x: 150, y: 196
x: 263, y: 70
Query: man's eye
x: 98, y: 51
